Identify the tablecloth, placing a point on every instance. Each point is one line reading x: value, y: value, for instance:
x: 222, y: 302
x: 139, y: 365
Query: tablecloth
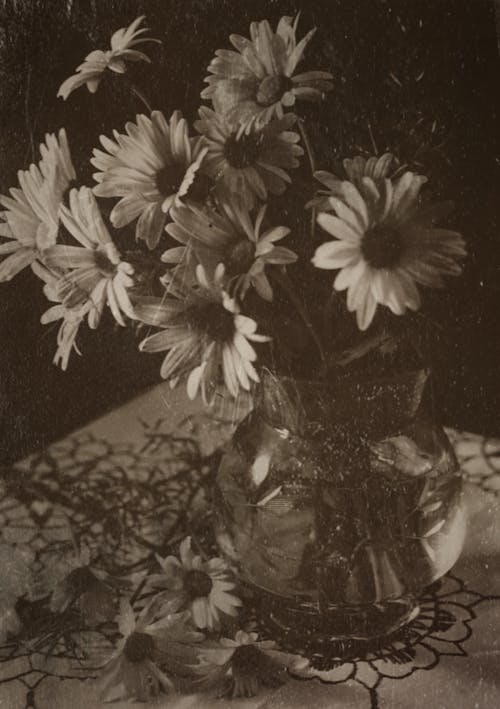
x: 127, y: 477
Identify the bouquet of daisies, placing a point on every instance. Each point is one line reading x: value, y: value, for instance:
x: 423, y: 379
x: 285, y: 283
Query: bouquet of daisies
x: 221, y: 235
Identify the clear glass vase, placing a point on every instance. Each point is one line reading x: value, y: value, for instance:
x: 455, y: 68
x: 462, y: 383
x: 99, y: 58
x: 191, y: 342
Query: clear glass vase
x: 339, y: 505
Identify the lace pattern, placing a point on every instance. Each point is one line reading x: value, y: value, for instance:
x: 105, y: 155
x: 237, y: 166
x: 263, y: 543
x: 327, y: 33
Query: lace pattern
x: 127, y: 501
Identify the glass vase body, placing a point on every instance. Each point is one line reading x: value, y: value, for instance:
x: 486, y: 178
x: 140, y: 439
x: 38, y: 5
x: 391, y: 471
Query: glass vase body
x: 338, y: 506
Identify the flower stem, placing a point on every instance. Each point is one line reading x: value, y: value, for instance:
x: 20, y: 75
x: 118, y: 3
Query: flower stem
x: 372, y: 138
x: 312, y: 163
x: 368, y: 344
x: 307, y: 144
x: 135, y: 91
x: 288, y: 288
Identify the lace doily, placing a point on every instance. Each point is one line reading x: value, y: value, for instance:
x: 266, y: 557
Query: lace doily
x: 479, y: 459
x: 122, y: 502
x: 127, y: 502
x: 443, y: 625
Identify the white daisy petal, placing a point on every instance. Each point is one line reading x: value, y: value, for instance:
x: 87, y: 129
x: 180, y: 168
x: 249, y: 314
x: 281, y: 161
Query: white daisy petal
x: 337, y: 227
x: 194, y: 380
x: 229, y: 371
x: 199, y: 612
x: 239, y: 368
x: 359, y: 286
x: 355, y: 201
x: 348, y: 275
x: 16, y: 262
x: 335, y: 254
x: 113, y: 303
x: 366, y: 310
x: 244, y: 347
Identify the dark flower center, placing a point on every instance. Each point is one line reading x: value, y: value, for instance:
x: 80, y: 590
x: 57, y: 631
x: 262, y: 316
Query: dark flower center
x: 80, y: 580
x: 243, y: 151
x: 247, y: 660
x: 214, y: 320
x: 199, y: 189
x: 103, y: 264
x: 139, y: 647
x: 169, y: 178
x: 272, y: 88
x: 241, y: 257
x: 382, y: 246
x: 197, y: 584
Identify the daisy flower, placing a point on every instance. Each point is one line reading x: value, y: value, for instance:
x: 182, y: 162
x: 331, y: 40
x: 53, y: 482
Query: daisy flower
x: 31, y: 217
x: 94, y: 268
x: 385, y: 243
x: 376, y: 168
x: 241, y: 667
x: 91, y: 589
x: 258, y: 81
x: 123, y: 43
x: 201, y: 586
x: 151, y: 167
x: 250, y: 165
x: 71, y: 318
x: 232, y: 237
x: 204, y: 333
x: 136, y: 671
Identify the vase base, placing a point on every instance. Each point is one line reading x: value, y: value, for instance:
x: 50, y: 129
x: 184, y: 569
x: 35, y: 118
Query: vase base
x: 340, y: 633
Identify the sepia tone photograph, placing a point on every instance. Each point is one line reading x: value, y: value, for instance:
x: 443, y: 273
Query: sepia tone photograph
x: 249, y: 354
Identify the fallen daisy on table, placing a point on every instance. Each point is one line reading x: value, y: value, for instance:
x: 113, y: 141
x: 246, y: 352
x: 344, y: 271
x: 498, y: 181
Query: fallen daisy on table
x: 151, y: 653
x: 203, y: 587
x: 243, y: 666
x: 81, y: 584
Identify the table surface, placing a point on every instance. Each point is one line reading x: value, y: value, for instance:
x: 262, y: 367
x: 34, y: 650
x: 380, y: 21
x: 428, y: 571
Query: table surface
x: 119, y: 462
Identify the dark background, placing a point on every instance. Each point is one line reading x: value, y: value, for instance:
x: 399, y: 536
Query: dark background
x: 421, y: 75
